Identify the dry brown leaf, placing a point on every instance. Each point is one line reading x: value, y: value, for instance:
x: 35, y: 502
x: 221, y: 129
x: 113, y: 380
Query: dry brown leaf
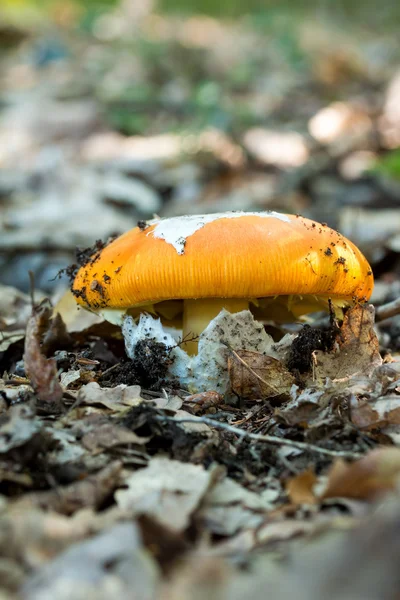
x: 198, y: 577
x: 56, y: 335
x: 333, y: 561
x: 357, y: 348
x: 105, y: 435
x: 374, y: 474
x: 167, y: 491
x: 287, y: 529
x: 41, y: 371
x: 300, y: 488
x: 254, y: 375
x: 74, y: 317
x: 13, y: 393
x: 300, y: 413
x: 19, y: 427
x: 110, y: 564
x: 205, y: 401
x: 379, y: 413
x: 118, y: 398
x: 364, y: 416
x: 69, y: 377
x: 229, y: 508
x: 90, y: 492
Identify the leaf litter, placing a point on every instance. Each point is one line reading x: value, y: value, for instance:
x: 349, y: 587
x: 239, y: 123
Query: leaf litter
x: 276, y: 461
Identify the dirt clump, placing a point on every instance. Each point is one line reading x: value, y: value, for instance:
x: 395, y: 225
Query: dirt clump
x: 148, y: 369
x: 308, y: 340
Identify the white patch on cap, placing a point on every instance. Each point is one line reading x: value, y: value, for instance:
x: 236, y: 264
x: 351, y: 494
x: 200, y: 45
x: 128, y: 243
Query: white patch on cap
x: 176, y: 230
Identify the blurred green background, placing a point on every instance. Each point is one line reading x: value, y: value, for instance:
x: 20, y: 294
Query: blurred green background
x: 369, y: 12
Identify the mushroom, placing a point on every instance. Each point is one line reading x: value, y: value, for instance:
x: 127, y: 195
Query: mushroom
x: 187, y: 269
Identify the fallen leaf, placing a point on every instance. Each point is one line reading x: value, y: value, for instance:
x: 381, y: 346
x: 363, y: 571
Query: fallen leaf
x: 64, y: 449
x: 111, y: 564
x: 41, y: 371
x: 199, y: 577
x: 359, y: 564
x: 168, y: 491
x: 192, y: 427
x: 300, y: 488
x: 254, y: 375
x: 229, y: 508
x: 377, y: 413
x: 56, y: 336
x: 117, y: 398
x: 18, y: 427
x: 75, y: 318
x: 205, y: 401
x: 36, y: 536
x: 285, y: 530
x: 104, y: 435
x: 91, y: 491
x: 13, y: 394
x: 356, y: 351
x: 374, y: 474
x: 69, y: 377
x: 303, y: 407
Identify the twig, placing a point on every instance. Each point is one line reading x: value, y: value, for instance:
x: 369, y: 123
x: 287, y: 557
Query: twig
x: 391, y: 309
x: 110, y: 369
x: 267, y: 439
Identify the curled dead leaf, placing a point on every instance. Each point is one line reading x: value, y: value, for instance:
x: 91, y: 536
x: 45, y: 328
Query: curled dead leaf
x: 168, y: 491
x: 90, y: 492
x: 380, y: 413
x: 254, y: 375
x: 373, y: 475
x: 41, y: 371
x: 356, y: 349
x: 300, y: 488
x: 205, y: 401
x: 105, y: 435
x: 118, y: 398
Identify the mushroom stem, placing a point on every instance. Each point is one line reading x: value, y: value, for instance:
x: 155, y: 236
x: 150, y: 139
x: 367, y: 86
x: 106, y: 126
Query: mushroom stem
x: 198, y: 313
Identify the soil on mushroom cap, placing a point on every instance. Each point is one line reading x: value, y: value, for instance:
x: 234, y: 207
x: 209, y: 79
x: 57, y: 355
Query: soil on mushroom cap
x: 86, y: 256
x: 89, y: 256
x: 83, y: 257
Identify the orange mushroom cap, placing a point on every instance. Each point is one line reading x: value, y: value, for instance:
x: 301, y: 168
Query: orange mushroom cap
x: 227, y: 255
